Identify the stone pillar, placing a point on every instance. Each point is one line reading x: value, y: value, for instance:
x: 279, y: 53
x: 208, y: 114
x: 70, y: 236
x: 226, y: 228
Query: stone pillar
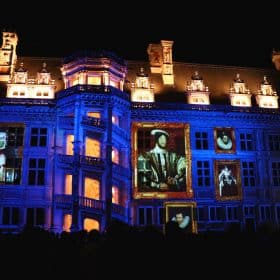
x: 108, y: 167
x: 76, y: 168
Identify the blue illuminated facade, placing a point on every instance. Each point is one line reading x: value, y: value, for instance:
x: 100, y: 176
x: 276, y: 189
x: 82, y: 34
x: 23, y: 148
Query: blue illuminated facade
x: 67, y: 161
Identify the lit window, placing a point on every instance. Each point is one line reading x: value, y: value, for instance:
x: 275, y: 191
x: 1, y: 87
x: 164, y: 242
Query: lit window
x: 75, y: 82
x: 92, y: 147
x: 69, y: 144
x: 94, y: 114
x: 94, y: 80
x: 115, y: 120
x: 92, y: 188
x: 67, y: 221
x: 68, y: 184
x: 115, y: 156
x: 115, y: 195
x: 90, y: 224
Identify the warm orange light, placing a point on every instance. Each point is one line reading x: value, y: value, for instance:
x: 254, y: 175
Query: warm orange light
x: 94, y: 80
x: 115, y: 195
x: 68, y: 184
x: 69, y: 144
x: 67, y: 221
x: 94, y: 114
x: 92, y: 147
x: 115, y: 155
x: 92, y: 188
x: 90, y: 224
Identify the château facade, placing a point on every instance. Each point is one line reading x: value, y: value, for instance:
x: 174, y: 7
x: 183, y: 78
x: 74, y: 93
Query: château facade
x: 80, y: 141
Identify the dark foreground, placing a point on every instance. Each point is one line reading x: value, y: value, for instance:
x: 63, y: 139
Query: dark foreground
x: 124, y: 252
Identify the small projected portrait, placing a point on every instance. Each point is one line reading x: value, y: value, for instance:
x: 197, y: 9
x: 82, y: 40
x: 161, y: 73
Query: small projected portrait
x: 224, y: 140
x: 182, y: 213
x: 227, y: 180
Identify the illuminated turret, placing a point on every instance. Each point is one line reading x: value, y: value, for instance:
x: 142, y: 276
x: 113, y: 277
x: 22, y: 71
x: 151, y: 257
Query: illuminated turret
x: 8, y: 55
x: 142, y: 89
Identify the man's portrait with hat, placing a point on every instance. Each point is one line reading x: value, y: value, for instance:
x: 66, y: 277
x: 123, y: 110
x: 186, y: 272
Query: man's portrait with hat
x: 159, y: 168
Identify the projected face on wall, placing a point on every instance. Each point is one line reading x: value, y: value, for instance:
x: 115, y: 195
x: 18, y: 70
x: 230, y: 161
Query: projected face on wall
x: 11, y: 145
x: 161, y: 160
x: 181, y: 213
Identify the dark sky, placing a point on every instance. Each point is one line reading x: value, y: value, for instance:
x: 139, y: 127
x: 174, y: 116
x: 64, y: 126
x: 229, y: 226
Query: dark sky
x: 228, y: 33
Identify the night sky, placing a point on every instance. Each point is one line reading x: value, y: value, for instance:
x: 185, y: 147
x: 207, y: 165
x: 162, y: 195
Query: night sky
x: 230, y: 34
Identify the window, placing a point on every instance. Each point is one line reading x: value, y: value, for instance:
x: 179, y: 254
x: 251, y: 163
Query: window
x: 69, y: 144
x: 15, y: 136
x: 202, y: 213
x: 94, y: 80
x: 232, y: 213
x: 115, y: 120
x: 145, y: 216
x: 249, y: 176
x: 67, y: 221
x: 201, y: 140
x: 92, y: 188
x: 115, y: 195
x: 217, y: 213
x: 94, y: 115
x: 115, y: 155
x: 68, y: 184
x: 10, y: 216
x: 265, y: 213
x: 203, y: 173
x: 274, y: 142
x: 161, y: 216
x: 90, y: 224
x: 38, y: 137
x: 92, y: 147
x: 276, y: 174
x: 246, y: 142
x: 278, y: 212
x: 36, y: 173
x: 35, y: 216
x: 249, y: 211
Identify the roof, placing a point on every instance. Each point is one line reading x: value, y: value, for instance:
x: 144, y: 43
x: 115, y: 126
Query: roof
x: 218, y: 78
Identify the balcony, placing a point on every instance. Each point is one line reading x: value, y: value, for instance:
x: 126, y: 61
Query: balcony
x: 92, y: 161
x: 67, y: 159
x: 118, y: 210
x: 94, y: 122
x: 88, y: 204
x: 89, y: 91
x: 91, y: 203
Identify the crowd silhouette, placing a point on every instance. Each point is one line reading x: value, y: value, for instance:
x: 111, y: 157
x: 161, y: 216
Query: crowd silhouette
x: 125, y: 251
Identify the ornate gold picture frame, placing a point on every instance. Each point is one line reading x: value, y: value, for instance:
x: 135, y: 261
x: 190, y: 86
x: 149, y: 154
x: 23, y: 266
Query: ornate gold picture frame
x: 224, y: 138
x: 161, y: 160
x: 182, y: 212
x: 227, y: 180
